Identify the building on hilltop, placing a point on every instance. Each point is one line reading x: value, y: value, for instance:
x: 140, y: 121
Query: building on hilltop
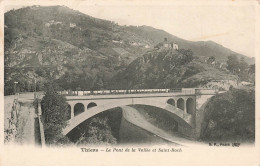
x: 167, y: 44
x: 175, y: 46
x: 72, y: 25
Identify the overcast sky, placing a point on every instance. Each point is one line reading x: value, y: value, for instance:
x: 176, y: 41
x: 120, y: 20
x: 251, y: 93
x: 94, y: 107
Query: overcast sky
x: 231, y: 25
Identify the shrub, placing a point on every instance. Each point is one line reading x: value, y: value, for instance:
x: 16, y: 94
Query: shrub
x: 230, y: 117
x: 54, y: 111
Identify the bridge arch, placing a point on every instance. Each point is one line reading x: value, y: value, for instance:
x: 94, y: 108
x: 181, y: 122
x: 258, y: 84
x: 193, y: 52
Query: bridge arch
x: 171, y: 102
x: 180, y: 104
x: 180, y: 116
x: 190, y: 106
x: 90, y: 105
x: 78, y: 109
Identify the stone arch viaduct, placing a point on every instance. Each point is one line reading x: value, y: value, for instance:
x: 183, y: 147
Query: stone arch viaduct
x: 181, y: 105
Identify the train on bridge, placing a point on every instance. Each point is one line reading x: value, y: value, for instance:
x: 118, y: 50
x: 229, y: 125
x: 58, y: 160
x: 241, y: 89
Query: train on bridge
x: 130, y: 91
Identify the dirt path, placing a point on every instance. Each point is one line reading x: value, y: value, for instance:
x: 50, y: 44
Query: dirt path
x: 25, y: 127
x: 7, y: 110
x: 133, y: 116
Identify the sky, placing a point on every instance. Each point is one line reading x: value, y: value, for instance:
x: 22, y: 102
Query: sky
x: 232, y: 25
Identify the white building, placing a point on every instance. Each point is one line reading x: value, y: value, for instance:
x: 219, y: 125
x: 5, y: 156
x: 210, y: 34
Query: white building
x: 147, y: 46
x: 175, y: 46
x: 170, y: 45
x: 72, y: 25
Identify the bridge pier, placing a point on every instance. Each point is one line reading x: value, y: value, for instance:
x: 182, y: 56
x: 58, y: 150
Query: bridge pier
x: 72, y: 111
x: 185, y: 108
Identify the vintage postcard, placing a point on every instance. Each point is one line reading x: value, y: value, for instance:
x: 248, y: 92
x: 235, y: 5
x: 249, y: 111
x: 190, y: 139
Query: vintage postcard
x: 129, y: 83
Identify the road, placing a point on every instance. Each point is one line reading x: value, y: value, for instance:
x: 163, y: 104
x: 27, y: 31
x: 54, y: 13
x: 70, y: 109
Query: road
x: 25, y: 119
x: 25, y: 126
x: 134, y: 117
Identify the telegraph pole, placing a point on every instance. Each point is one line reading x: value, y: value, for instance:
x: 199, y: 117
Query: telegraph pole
x: 15, y: 87
x: 35, y: 87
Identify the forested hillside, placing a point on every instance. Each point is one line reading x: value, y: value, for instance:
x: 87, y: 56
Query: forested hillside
x: 230, y: 117
x: 169, y: 69
x: 78, y: 51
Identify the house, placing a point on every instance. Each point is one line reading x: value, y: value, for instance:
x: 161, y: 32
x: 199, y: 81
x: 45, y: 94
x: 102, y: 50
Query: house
x: 167, y: 45
x: 175, y: 46
x: 72, y: 25
x: 52, y: 22
x: 147, y: 46
x: 170, y: 45
x: 115, y: 41
x: 246, y: 83
x: 133, y: 43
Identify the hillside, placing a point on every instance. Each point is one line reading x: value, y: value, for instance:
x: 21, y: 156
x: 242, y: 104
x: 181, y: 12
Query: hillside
x: 78, y: 51
x: 200, y: 48
x: 65, y: 45
x: 169, y: 69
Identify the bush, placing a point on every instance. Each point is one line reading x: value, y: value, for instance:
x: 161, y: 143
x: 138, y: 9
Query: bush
x: 96, y: 132
x: 54, y: 111
x: 230, y: 117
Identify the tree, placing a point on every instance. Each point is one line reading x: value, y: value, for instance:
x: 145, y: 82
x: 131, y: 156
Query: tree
x: 251, y: 72
x: 230, y: 117
x: 233, y: 64
x: 96, y: 132
x: 211, y: 59
x: 238, y: 67
x: 188, y: 55
x: 251, y: 69
x: 243, y: 66
x: 54, y: 110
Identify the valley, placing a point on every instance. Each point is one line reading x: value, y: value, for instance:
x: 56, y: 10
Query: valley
x: 63, y: 61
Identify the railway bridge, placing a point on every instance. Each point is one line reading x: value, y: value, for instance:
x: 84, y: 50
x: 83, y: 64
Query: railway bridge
x: 182, y: 105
